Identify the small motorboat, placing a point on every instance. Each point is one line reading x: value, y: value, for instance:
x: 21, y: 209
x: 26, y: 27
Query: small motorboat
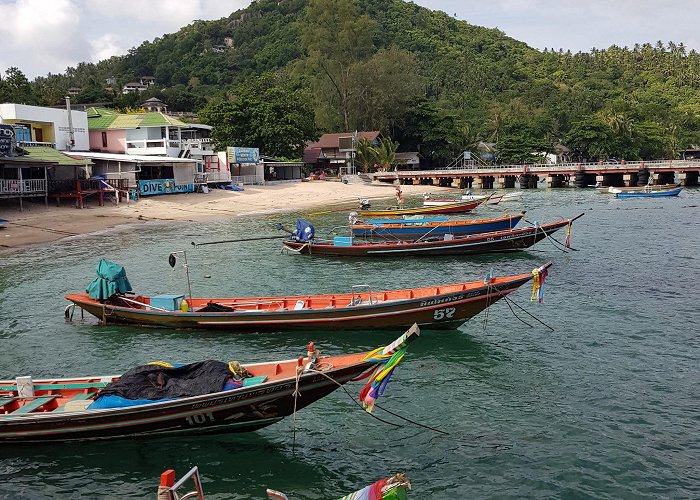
x: 649, y: 193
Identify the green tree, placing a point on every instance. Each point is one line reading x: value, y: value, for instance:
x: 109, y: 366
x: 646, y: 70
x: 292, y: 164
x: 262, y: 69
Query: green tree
x: 337, y: 38
x: 365, y: 155
x: 267, y: 112
x: 385, y: 152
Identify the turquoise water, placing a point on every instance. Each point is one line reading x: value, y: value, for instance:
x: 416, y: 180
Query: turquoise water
x: 605, y: 406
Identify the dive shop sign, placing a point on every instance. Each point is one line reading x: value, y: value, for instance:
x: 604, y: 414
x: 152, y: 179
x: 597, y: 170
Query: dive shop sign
x: 7, y: 138
x: 163, y: 186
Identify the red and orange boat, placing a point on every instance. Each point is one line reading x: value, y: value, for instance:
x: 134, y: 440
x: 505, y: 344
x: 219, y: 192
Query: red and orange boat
x: 442, y: 306
x: 187, y: 399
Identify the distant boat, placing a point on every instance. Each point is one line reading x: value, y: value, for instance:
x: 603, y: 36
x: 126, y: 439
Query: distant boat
x: 649, y: 193
x: 453, y: 207
x: 3, y: 223
x: 646, y: 187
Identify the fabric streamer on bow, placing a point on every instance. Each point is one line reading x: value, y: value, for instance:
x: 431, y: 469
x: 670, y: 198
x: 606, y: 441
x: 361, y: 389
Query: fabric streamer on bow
x: 568, y: 235
x: 538, y: 277
x: 387, y: 359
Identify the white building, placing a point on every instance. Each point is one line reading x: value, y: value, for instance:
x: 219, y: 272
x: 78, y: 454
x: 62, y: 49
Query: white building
x: 41, y: 126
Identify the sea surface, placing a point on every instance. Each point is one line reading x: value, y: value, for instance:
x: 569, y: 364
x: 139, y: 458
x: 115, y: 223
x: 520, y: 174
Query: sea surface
x: 605, y: 404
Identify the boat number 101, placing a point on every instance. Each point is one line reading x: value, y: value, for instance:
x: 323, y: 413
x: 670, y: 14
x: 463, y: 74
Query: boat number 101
x: 446, y: 313
x: 200, y: 418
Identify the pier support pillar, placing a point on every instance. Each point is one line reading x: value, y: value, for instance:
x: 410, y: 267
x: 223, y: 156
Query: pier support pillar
x: 478, y: 183
x: 509, y: 181
x: 630, y: 179
x: 555, y: 181
x: 498, y: 182
x: 462, y: 184
x: 689, y: 178
x: 643, y: 177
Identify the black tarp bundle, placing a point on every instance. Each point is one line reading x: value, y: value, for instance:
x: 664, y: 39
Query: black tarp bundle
x: 155, y: 381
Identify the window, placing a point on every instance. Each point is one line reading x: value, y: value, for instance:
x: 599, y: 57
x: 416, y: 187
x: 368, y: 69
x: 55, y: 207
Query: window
x: 104, y: 139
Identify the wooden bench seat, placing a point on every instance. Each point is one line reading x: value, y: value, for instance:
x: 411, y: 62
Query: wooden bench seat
x: 83, y: 396
x: 33, y: 405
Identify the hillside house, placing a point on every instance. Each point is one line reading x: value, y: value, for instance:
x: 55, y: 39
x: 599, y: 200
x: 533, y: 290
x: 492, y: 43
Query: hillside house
x: 334, y: 153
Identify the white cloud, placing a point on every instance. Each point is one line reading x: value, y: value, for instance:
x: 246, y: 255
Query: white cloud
x: 104, y: 47
x: 42, y: 34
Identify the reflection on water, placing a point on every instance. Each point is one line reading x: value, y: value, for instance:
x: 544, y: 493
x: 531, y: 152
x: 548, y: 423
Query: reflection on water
x: 604, y: 406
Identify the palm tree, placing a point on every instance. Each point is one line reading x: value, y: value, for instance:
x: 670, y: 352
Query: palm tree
x: 365, y: 154
x: 386, y: 152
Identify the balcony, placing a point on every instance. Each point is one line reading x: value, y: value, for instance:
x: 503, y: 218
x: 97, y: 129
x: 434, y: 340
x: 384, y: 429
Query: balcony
x: 24, y: 187
x: 158, y: 147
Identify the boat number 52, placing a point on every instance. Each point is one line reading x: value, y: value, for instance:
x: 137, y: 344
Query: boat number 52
x: 446, y: 313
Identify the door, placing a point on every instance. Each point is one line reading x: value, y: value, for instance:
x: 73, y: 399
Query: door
x: 39, y: 135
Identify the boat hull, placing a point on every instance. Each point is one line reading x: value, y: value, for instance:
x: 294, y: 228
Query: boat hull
x: 499, y: 241
x: 233, y: 411
x: 448, y: 306
x: 414, y: 230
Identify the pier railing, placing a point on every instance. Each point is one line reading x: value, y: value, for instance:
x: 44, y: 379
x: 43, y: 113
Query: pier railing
x: 559, y: 168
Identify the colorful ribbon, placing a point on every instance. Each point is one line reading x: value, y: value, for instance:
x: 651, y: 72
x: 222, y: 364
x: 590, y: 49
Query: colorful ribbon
x: 538, y: 277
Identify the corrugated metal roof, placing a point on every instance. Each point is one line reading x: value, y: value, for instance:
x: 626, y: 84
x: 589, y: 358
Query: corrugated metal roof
x: 328, y: 141
x: 50, y: 154
x: 108, y: 119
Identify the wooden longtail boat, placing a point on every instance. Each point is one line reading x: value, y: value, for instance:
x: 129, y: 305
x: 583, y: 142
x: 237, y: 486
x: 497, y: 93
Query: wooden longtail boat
x: 649, y: 193
x: 413, y: 229
x: 451, y: 208
x: 444, y: 306
x: 388, y: 488
x: 646, y: 187
x: 57, y: 409
x: 497, y: 241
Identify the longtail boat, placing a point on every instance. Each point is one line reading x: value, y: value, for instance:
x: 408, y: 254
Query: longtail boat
x: 649, y: 193
x: 646, y: 187
x: 454, y: 207
x: 199, y: 398
x: 388, y: 488
x: 497, y: 241
x: 413, y: 229
x: 443, y: 306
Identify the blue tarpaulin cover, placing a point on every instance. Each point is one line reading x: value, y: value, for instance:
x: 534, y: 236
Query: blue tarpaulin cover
x: 304, y: 231
x: 111, y: 280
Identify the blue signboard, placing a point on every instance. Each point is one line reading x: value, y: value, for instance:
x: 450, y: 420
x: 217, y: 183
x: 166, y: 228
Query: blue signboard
x: 488, y: 156
x: 163, y: 186
x: 242, y: 155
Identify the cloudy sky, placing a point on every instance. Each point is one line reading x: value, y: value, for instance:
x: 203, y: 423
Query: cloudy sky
x: 46, y: 36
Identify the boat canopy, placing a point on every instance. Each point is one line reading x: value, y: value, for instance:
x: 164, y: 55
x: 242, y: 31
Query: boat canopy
x: 111, y: 280
x: 304, y: 231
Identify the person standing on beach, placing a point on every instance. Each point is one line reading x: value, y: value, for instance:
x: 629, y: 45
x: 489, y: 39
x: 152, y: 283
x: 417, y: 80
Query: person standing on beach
x: 399, y: 196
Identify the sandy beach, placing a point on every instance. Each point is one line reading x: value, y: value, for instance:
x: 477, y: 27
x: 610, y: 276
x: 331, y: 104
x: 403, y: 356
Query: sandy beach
x: 38, y: 225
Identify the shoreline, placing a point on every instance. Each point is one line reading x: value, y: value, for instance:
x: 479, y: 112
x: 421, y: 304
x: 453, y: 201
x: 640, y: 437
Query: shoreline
x: 39, y: 225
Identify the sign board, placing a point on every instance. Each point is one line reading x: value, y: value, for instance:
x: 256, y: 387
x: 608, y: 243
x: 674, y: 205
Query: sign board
x: 488, y: 156
x: 153, y: 187
x: 242, y: 155
x: 467, y: 155
x: 7, y: 139
x: 345, y: 144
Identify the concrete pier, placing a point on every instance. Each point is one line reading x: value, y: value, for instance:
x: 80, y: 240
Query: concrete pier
x: 688, y: 178
x: 560, y: 175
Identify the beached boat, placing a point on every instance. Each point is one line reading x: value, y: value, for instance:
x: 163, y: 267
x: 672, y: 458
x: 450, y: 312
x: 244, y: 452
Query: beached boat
x: 442, y: 306
x: 388, y: 488
x: 497, y: 241
x: 454, y: 207
x: 199, y: 398
x: 649, y: 193
x: 425, y: 228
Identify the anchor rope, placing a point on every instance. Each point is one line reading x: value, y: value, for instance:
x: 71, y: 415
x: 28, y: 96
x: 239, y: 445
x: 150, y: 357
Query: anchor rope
x: 357, y: 403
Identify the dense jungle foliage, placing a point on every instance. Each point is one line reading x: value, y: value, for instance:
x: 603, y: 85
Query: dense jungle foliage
x: 431, y: 82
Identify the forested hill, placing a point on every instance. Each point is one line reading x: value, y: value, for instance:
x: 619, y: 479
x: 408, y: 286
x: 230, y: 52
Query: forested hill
x: 422, y: 77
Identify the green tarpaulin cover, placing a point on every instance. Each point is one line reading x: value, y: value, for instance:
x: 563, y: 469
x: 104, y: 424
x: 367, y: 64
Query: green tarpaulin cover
x: 111, y: 280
